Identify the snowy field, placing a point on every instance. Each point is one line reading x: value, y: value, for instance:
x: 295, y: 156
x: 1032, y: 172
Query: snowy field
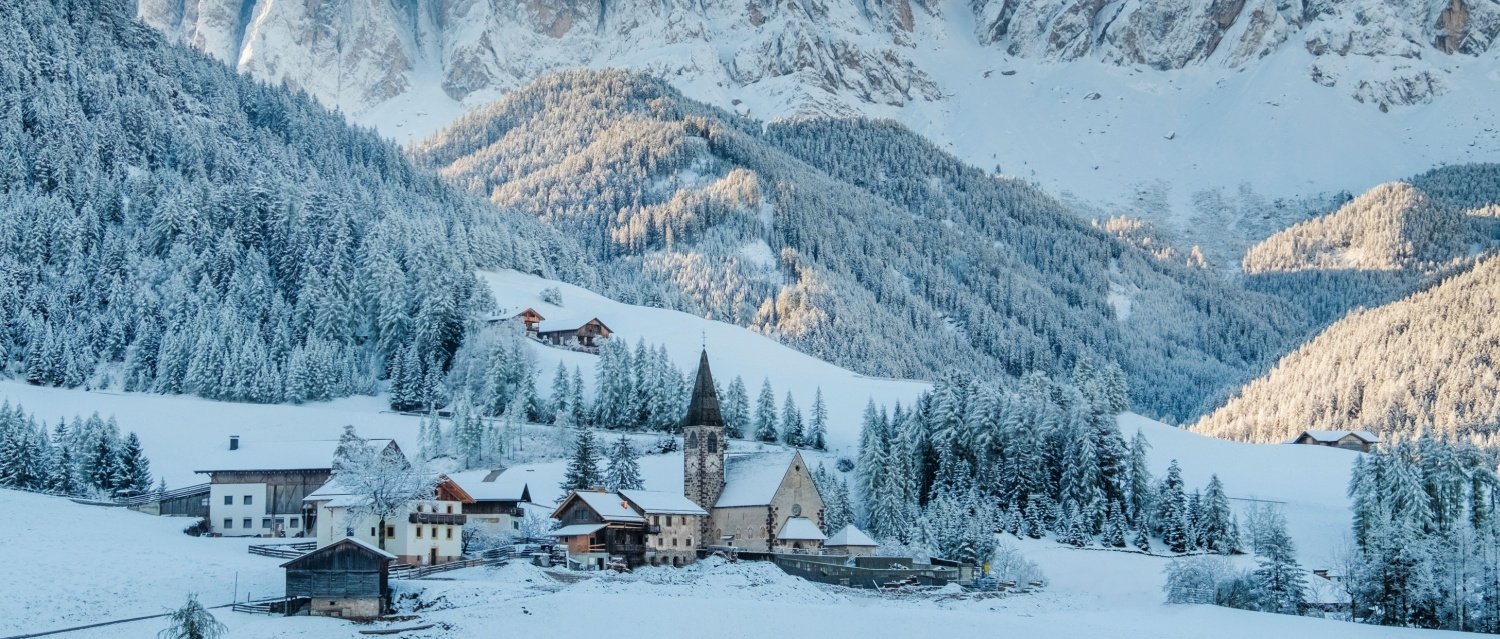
x: 85, y: 563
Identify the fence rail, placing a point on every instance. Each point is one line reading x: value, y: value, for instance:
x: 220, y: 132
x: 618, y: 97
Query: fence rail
x: 264, y: 606
x: 487, y: 558
x: 284, y: 551
x: 150, y: 496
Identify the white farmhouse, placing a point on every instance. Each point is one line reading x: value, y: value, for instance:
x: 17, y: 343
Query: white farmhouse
x: 429, y: 532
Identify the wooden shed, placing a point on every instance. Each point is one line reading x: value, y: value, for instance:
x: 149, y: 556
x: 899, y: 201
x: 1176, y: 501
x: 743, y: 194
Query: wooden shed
x: 348, y: 578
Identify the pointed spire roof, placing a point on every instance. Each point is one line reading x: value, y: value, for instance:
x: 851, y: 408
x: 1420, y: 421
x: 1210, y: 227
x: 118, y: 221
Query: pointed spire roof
x: 703, y: 409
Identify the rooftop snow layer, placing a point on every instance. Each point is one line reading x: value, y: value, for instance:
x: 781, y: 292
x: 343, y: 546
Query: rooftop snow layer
x: 800, y: 529
x: 662, y: 503
x: 850, y: 536
x: 752, y: 479
x: 609, y: 506
x: 488, y: 485
x: 277, y: 455
x: 1335, y: 435
x: 576, y: 530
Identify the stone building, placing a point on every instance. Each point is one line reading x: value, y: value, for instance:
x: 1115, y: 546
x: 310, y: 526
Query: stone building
x: 751, y: 498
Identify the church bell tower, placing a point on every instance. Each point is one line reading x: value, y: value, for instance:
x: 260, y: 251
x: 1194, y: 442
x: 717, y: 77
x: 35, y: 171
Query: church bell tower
x: 703, y: 446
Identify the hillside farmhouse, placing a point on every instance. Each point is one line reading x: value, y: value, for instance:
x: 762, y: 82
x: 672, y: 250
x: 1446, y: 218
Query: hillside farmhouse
x: 1360, y: 440
x: 429, y: 533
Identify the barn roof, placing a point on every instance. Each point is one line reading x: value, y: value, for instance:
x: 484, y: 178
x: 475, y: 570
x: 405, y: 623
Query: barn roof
x: 576, y: 530
x: 609, y: 506
x: 703, y: 408
x: 800, y: 529
x: 493, y: 485
x: 254, y: 455
x: 1329, y: 436
x: 850, y: 536
x: 662, y: 503
x: 752, y: 479
x: 363, y: 546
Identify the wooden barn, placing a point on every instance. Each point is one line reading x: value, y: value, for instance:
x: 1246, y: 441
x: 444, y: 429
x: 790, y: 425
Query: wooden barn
x: 182, y: 502
x: 530, y: 319
x: 349, y: 579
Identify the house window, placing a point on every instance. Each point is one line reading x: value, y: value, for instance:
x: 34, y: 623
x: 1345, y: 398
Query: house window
x: 515, y: 525
x: 419, y: 507
x: 229, y: 500
x: 294, y: 523
x: 656, y: 520
x: 248, y: 499
x: 228, y: 523
x: 419, y: 532
x: 450, y: 509
x: 246, y: 523
x: 689, y: 542
x: 450, y: 532
x: 674, y: 541
x: 390, y: 532
x: 265, y: 522
x: 434, y: 532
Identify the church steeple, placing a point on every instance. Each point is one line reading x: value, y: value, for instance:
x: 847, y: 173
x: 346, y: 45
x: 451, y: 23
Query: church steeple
x: 703, y: 446
x: 703, y: 409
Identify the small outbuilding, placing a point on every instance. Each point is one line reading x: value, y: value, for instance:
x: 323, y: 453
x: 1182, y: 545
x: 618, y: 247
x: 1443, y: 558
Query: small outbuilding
x: 851, y: 541
x: 799, y: 534
x: 1360, y: 440
x: 348, y: 578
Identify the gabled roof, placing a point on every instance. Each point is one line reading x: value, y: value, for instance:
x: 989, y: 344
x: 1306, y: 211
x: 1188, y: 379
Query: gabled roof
x: 335, y: 495
x: 361, y: 544
x: 610, y: 507
x: 564, y: 326
x: 1329, y: 436
x: 662, y: 503
x: 703, y: 407
x: 850, y: 536
x: 752, y: 479
x: 800, y: 529
x: 278, y: 455
x: 493, y: 485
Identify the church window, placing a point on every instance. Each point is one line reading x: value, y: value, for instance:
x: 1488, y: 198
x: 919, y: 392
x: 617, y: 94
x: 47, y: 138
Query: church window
x: 713, y: 443
x: 692, y: 440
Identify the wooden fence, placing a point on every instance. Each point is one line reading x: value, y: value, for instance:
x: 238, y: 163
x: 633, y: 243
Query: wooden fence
x: 284, y: 551
x: 487, y: 558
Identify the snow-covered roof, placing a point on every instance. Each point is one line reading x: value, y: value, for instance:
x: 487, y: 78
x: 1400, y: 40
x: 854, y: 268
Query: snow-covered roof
x: 1335, y: 435
x: 752, y: 479
x: 575, y: 530
x: 662, y: 503
x: 347, y: 540
x: 850, y: 536
x: 800, y: 529
x: 492, y: 485
x: 610, y: 506
x: 255, y: 455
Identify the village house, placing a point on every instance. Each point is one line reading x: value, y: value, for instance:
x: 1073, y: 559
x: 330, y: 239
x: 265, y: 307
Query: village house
x: 752, y: 499
x: 257, y: 488
x: 587, y: 338
x: 1360, y: 440
x: 348, y: 578
x: 638, y: 527
x: 429, y: 532
x: 529, y: 319
x: 500, y: 499
x: 672, y: 523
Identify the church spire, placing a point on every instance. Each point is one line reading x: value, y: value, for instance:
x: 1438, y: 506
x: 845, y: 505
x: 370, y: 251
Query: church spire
x: 703, y: 409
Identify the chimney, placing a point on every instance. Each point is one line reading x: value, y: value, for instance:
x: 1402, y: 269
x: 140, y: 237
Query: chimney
x: 234, y: 442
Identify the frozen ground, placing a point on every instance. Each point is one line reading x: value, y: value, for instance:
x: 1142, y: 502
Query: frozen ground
x: 85, y: 563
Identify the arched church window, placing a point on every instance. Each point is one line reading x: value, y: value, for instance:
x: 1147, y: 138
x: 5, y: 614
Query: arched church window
x: 713, y: 443
x: 692, y: 440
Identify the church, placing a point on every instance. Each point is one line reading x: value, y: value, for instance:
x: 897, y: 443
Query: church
x: 761, y: 502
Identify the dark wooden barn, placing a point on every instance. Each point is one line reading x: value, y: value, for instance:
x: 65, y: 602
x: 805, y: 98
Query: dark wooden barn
x: 348, y: 578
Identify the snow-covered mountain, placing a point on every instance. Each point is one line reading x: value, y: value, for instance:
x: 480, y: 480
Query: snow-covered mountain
x: 1088, y: 96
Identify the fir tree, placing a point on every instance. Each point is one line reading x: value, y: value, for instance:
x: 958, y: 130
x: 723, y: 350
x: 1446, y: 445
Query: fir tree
x: 560, y: 392
x: 1172, y: 515
x: 736, y: 409
x: 765, y: 414
x: 817, y: 432
x: 623, y: 471
x: 134, y: 472
x: 792, y: 431
x: 1139, y: 496
x: 1142, y: 540
x: 583, y: 469
x: 1278, y: 579
x: 1113, y: 535
x: 1219, y: 532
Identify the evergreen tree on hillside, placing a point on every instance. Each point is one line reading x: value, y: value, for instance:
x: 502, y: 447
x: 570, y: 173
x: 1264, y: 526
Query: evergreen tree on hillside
x: 817, y: 431
x: 561, y: 392
x: 792, y: 430
x: 1278, y: 579
x: 1140, y: 496
x: 134, y: 471
x: 765, y: 414
x: 583, y: 468
x: 1219, y: 532
x: 1171, y: 514
x: 736, y: 410
x: 575, y: 399
x: 623, y: 471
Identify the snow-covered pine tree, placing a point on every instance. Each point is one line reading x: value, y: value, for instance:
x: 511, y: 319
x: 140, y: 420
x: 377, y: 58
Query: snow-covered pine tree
x: 765, y: 413
x: 817, y: 430
x: 736, y: 409
x: 561, y: 392
x: 1278, y: 579
x: 1113, y: 535
x: 192, y: 621
x: 1171, y: 514
x: 623, y: 471
x: 792, y: 430
x: 1142, y: 541
x: 62, y: 475
x: 134, y: 470
x: 1219, y: 533
x: 581, y: 415
x: 1139, y: 494
x: 583, y: 468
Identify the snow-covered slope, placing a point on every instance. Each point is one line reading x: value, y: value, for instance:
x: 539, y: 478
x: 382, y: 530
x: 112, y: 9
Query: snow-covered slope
x: 1092, y: 97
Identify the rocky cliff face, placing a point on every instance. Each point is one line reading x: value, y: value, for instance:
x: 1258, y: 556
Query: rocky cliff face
x: 827, y: 55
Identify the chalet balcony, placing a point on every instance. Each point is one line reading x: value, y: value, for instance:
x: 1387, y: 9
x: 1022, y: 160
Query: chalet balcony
x: 437, y: 518
x: 618, y: 549
x: 653, y: 529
